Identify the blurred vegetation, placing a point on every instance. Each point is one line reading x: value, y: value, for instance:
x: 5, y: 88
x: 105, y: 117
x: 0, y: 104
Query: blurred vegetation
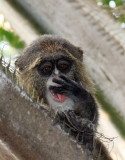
x: 11, y: 45
x: 117, y: 2
x: 115, y: 7
x: 114, y: 115
x: 121, y: 18
x: 10, y: 37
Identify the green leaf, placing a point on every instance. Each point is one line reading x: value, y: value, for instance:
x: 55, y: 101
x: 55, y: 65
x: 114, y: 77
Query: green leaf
x: 13, y: 39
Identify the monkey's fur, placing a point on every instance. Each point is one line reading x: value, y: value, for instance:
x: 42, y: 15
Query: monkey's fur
x: 83, y: 128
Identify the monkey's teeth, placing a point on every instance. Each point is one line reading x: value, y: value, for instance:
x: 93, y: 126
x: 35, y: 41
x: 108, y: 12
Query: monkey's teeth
x: 53, y: 94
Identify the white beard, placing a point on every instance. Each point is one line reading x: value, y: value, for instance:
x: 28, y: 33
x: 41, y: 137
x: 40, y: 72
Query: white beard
x: 68, y: 104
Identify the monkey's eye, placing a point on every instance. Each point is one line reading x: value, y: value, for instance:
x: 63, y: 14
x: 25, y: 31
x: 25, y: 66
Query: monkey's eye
x: 63, y: 65
x: 45, y: 68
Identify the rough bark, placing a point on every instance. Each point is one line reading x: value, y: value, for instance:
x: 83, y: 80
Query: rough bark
x: 28, y: 129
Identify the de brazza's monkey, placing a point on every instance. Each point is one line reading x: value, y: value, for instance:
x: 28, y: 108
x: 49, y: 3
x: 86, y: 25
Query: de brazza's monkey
x: 54, y: 68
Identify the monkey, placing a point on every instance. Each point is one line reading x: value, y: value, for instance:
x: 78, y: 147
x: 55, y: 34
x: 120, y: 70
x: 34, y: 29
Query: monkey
x: 53, y: 68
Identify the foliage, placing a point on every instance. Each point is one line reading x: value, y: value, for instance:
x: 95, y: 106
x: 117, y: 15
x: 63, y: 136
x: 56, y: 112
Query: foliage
x: 117, y: 2
x: 13, y: 39
x: 121, y: 18
x: 118, y: 10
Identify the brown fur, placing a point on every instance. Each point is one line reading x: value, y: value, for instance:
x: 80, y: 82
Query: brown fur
x: 49, y: 46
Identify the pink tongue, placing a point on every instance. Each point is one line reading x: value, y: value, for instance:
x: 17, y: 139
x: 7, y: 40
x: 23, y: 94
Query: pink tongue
x: 61, y: 97
x: 58, y: 97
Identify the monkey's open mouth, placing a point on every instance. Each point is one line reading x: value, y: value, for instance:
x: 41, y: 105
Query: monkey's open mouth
x: 57, y: 97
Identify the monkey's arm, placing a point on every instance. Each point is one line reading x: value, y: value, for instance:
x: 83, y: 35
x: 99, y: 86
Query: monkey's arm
x: 85, y: 106
x: 85, y: 115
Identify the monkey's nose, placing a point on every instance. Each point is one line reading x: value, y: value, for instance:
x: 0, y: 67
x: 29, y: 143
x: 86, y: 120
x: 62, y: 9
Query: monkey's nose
x: 56, y: 71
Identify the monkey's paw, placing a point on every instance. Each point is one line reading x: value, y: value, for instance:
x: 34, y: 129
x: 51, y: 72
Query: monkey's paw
x: 85, y: 130
x: 79, y: 123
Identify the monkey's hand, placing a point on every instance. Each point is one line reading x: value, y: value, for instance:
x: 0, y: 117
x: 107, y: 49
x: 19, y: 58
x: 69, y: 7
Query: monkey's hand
x: 85, y: 105
x: 82, y: 129
x: 68, y: 87
x: 79, y: 123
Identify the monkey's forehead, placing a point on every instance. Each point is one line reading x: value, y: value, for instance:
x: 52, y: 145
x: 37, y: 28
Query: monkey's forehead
x: 47, y: 46
x: 54, y: 54
x: 53, y: 44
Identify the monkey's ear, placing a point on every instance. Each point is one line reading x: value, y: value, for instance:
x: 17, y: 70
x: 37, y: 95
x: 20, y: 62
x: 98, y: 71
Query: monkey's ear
x: 77, y: 52
x: 79, y: 55
x: 18, y: 66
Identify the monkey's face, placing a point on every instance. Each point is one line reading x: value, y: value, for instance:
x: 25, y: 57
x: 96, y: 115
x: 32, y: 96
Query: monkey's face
x: 50, y: 68
x: 44, y: 62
